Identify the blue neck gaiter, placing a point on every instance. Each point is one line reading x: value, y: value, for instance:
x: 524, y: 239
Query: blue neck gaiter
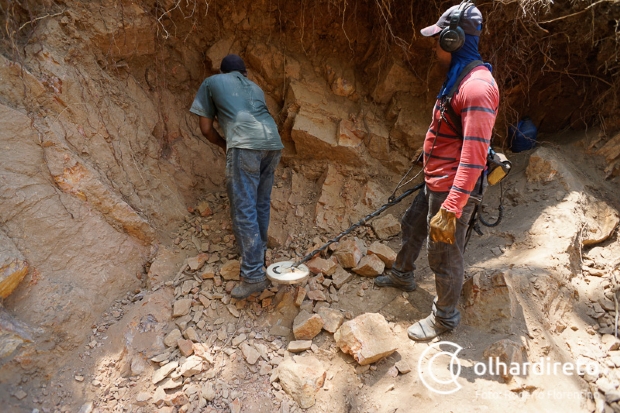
x: 460, y: 59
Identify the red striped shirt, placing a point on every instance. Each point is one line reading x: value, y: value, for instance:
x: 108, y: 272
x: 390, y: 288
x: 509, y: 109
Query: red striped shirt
x: 456, y: 162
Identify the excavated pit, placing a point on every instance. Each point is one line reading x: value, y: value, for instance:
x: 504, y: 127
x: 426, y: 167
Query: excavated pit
x: 114, y: 221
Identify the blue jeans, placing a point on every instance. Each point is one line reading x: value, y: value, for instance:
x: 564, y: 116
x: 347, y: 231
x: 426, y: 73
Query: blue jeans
x: 445, y: 260
x: 249, y: 178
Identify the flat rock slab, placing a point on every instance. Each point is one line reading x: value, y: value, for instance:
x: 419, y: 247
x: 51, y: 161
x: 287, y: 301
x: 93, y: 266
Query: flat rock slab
x: 319, y: 265
x: 250, y: 353
x: 306, y: 325
x: 332, y: 319
x: 370, y: 266
x: 348, y: 253
x: 301, y: 378
x: 164, y: 371
x: 341, y: 277
x: 298, y: 346
x: 387, y: 254
x: 231, y: 270
x: 368, y: 338
x: 386, y: 227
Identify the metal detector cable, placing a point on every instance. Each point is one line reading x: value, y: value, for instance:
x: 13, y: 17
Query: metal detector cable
x: 361, y: 222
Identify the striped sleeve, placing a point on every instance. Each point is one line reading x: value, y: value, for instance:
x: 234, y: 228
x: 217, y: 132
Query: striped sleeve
x: 477, y: 102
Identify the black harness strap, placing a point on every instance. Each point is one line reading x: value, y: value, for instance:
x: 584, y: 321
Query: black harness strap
x: 448, y: 115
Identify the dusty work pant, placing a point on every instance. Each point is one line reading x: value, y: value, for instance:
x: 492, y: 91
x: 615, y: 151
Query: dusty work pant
x: 249, y: 178
x: 445, y: 260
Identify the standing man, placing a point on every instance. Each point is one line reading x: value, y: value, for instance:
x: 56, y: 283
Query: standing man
x: 252, y: 146
x: 455, y: 152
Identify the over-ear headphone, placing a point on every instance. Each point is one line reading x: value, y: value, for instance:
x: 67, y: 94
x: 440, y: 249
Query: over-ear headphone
x: 452, y: 37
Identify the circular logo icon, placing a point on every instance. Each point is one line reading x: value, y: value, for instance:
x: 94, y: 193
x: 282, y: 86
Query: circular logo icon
x: 439, y: 369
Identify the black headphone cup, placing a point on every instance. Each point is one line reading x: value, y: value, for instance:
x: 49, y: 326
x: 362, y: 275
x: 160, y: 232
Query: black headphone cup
x: 452, y: 37
x: 451, y: 40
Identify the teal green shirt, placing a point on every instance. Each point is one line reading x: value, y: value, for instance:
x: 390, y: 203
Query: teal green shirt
x: 240, y: 108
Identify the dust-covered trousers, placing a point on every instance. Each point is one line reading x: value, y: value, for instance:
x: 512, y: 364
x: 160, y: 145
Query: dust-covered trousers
x: 249, y: 178
x: 445, y: 260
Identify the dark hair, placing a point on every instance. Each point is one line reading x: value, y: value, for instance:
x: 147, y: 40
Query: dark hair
x: 232, y: 63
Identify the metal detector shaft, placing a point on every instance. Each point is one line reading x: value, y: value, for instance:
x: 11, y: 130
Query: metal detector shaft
x: 391, y: 202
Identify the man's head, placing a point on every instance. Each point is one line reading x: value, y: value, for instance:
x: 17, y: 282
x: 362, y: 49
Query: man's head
x: 233, y: 63
x: 454, y: 24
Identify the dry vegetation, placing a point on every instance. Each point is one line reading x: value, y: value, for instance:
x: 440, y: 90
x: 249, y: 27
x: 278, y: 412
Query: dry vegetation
x: 555, y: 61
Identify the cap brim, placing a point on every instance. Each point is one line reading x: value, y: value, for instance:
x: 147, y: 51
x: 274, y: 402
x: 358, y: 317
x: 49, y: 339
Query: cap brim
x: 431, y: 30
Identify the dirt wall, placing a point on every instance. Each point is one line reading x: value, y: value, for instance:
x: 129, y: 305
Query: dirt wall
x: 101, y: 157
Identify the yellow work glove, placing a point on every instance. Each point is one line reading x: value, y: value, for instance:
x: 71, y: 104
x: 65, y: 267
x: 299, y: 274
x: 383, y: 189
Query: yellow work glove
x: 443, y: 226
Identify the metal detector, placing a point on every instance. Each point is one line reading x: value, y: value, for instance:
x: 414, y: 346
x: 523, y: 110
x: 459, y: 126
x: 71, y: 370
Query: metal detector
x: 293, y: 272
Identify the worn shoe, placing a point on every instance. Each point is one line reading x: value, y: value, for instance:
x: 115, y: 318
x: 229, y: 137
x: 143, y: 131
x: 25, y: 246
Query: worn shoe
x: 389, y: 280
x: 246, y: 289
x: 426, y: 329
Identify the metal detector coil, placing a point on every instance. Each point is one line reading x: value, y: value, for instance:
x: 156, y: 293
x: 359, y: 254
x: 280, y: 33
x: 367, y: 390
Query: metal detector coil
x: 284, y: 273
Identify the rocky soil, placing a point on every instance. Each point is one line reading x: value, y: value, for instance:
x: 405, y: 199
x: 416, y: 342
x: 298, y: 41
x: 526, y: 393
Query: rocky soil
x: 116, y: 251
x: 541, y: 284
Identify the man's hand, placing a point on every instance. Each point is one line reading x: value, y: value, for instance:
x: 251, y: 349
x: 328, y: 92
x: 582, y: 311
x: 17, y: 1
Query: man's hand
x: 443, y: 226
x: 209, y: 132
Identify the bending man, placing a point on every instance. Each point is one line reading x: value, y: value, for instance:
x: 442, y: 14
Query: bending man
x: 252, y: 148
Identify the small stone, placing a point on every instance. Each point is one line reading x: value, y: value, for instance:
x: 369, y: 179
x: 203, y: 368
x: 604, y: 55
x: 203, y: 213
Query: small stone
x: 319, y: 265
x: 306, y: 326
x: 20, y: 394
x: 300, y: 295
x: 505, y: 351
x: 307, y: 306
x: 164, y: 371
x: 279, y: 330
x: 79, y: 379
x: 186, y: 347
x: 387, y: 254
x: 316, y: 295
x: 181, y: 307
x: 208, y: 392
x: 332, y: 319
x: 172, y: 337
x: 403, y: 367
x: 250, y: 353
x: 610, y: 342
x: 204, y: 209
x: 207, y: 272
x: 192, y: 366
x: 386, y: 227
x: 235, y: 406
x: 348, y: 253
x: 231, y: 270
x: 191, y: 334
x: 368, y: 338
x: 233, y: 310
x: 142, y: 398
x: 370, y: 266
x: 229, y: 286
x: 195, y: 263
x: 265, y: 294
x: 238, y: 340
x: 298, y: 346
x: 392, y: 371
x: 340, y: 277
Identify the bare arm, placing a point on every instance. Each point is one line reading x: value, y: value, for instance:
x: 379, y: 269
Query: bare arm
x: 209, y: 132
